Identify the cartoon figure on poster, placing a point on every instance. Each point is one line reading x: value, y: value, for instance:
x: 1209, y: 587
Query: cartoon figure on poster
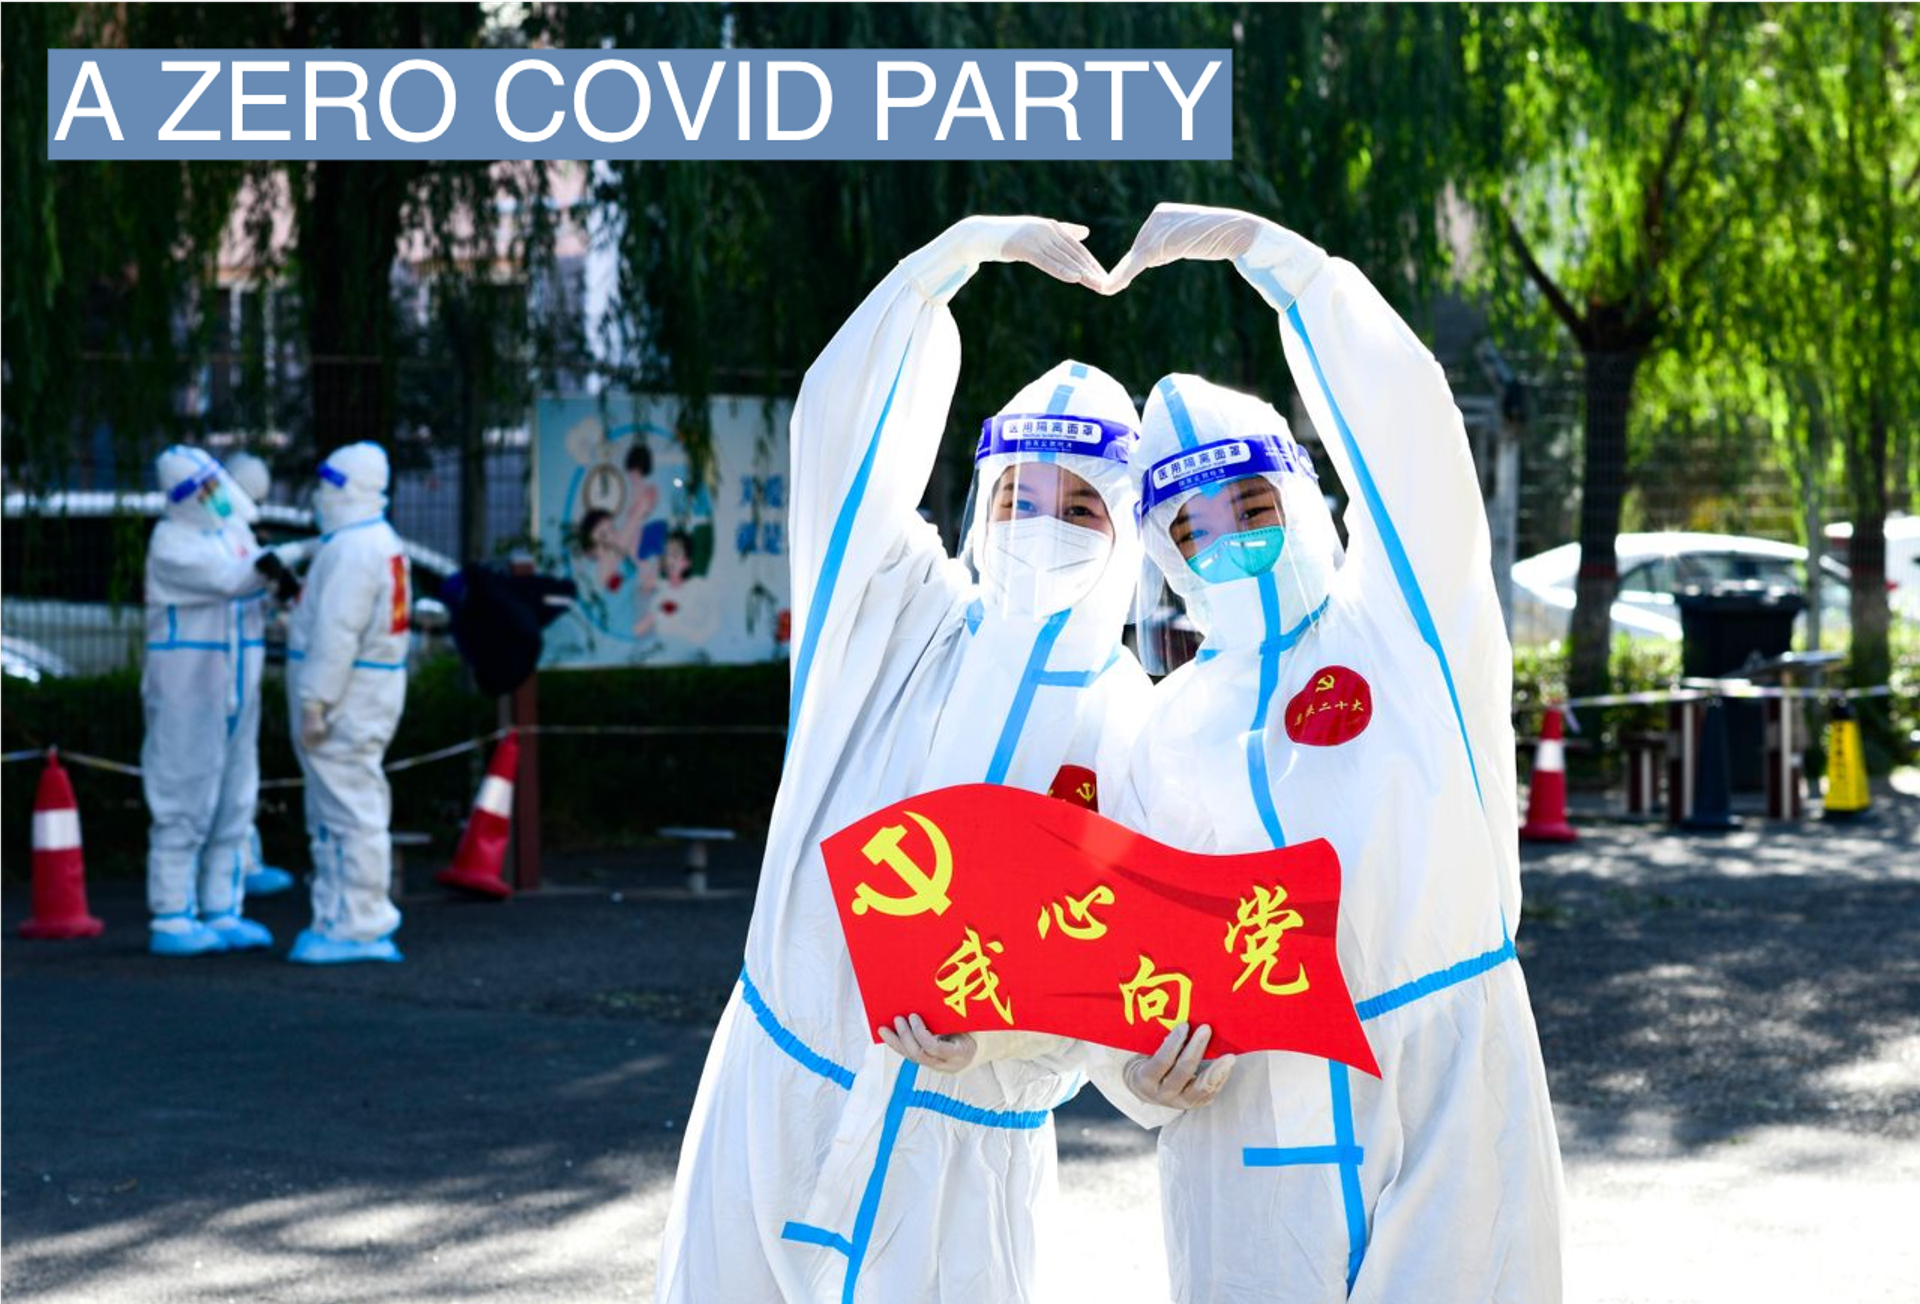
x: 640, y: 555
x: 670, y: 571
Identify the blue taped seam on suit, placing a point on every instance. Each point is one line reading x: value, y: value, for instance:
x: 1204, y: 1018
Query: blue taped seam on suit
x: 870, y: 1201
x: 358, y: 664
x: 1256, y: 745
x: 1177, y: 411
x: 1439, y: 980
x: 1296, y: 1156
x: 1267, y: 283
x: 186, y: 645
x: 807, y: 1056
x: 1343, y: 1140
x: 836, y: 550
x: 1023, y: 696
x: 1019, y: 1120
x: 808, y: 1234
x: 1062, y: 395
x: 357, y: 525
x: 1077, y: 678
x: 1390, y: 537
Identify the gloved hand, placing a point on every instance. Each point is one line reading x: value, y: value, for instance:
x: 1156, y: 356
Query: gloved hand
x: 910, y: 1039
x: 1178, y: 231
x: 1054, y: 247
x: 286, y: 585
x: 313, y: 724
x: 1173, y: 1076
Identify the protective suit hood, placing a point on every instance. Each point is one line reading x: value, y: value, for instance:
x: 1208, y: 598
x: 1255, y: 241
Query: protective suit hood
x: 250, y: 475
x: 353, y: 487
x: 1198, y: 439
x: 1075, y: 418
x: 183, y: 472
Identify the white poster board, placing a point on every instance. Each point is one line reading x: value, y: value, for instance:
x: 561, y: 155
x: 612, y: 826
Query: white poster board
x: 670, y: 573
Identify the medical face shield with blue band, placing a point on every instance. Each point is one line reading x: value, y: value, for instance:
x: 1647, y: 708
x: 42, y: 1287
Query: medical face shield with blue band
x: 1239, y: 543
x: 1052, y: 498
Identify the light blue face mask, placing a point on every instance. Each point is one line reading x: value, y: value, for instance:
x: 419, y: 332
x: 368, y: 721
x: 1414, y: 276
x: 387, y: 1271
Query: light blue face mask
x: 221, y: 504
x: 1239, y: 556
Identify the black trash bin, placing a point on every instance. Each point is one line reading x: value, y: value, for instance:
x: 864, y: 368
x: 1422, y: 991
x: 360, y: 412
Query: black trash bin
x: 1724, y: 629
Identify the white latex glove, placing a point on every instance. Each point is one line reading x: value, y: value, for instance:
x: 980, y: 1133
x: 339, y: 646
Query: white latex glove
x: 1180, y: 231
x: 1056, y: 248
x: 313, y: 724
x: 1173, y: 1076
x: 295, y: 553
x: 910, y: 1039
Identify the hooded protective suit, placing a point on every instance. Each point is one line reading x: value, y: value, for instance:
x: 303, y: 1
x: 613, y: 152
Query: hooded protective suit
x: 346, y: 686
x: 1365, y: 703
x: 819, y: 1165
x: 200, y: 694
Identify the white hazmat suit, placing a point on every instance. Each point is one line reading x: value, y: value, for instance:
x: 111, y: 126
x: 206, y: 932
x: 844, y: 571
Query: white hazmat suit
x: 1366, y: 703
x: 819, y: 1165
x: 256, y: 482
x: 346, y: 686
x: 200, y: 695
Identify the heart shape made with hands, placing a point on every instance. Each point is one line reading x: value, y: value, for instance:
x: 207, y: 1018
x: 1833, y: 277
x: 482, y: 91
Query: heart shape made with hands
x: 1171, y: 233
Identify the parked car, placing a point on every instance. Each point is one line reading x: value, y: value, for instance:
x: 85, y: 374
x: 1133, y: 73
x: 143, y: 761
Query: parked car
x: 71, y: 568
x: 1653, y: 567
x: 1903, y: 560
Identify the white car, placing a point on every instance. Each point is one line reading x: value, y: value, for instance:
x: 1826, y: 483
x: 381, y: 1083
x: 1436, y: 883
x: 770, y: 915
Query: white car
x: 1903, y: 560
x: 1653, y: 567
x: 74, y: 563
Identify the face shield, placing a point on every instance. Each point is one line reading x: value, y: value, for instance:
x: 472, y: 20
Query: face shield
x: 198, y: 491
x: 1240, y: 546
x: 1050, y: 511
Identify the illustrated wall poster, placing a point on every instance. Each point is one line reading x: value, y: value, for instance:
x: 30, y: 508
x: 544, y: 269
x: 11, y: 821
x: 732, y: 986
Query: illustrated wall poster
x: 671, y: 572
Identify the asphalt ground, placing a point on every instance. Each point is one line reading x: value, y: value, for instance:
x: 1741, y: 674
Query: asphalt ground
x: 1731, y: 1027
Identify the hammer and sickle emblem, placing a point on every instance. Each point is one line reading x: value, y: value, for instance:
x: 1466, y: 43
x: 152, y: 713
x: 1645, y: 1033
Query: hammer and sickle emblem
x: 925, y: 891
x: 1324, y: 684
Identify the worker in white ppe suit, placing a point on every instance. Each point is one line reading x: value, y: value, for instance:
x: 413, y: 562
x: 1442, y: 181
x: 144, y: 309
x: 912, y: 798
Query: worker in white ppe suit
x: 255, y: 481
x: 819, y: 1165
x: 346, y: 686
x: 206, y: 581
x: 1366, y: 702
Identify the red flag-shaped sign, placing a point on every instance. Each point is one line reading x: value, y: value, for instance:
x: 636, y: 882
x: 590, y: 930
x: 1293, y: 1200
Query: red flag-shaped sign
x: 986, y: 908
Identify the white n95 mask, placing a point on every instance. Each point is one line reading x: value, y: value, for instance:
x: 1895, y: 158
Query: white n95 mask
x: 1038, y: 565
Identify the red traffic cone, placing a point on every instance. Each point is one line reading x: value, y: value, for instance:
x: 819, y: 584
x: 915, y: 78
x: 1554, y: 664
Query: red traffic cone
x: 1547, y: 793
x: 479, y: 863
x: 59, y: 872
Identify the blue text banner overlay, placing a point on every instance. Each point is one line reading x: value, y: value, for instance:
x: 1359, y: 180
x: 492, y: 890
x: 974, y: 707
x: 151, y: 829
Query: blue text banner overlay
x: 655, y: 104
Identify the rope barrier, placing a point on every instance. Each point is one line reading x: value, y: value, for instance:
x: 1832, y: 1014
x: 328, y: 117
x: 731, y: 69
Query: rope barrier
x: 88, y: 761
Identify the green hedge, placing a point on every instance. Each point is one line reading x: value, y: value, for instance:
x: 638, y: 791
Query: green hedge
x: 597, y: 792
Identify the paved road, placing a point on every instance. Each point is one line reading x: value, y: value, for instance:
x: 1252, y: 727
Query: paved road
x: 1732, y: 1029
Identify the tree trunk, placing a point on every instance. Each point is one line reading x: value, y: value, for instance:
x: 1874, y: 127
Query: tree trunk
x: 350, y: 230
x: 1609, y: 394
x: 1871, y: 661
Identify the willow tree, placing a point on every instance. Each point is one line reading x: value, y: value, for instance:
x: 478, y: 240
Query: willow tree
x: 1837, y: 292
x: 1610, y: 166
x: 736, y: 274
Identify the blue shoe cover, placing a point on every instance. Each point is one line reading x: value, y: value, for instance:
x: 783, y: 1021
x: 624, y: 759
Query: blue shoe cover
x: 239, y: 934
x: 182, y: 936
x: 268, y: 881
x: 311, y: 948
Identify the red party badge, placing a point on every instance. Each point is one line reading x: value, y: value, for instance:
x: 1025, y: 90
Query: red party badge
x: 1333, y: 708
x: 1075, y: 783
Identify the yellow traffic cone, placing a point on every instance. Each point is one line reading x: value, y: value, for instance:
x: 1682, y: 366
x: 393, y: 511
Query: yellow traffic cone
x: 1847, y: 793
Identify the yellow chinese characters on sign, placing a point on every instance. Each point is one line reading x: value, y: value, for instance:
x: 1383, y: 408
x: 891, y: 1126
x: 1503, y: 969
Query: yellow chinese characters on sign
x: 1075, y: 918
x: 1162, y: 998
x: 1259, y: 925
x: 967, y: 975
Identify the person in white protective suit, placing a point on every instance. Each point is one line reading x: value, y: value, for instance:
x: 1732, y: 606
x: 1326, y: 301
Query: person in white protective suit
x: 346, y: 686
x: 819, y: 1165
x: 1365, y: 702
x: 206, y: 582
x: 256, y: 482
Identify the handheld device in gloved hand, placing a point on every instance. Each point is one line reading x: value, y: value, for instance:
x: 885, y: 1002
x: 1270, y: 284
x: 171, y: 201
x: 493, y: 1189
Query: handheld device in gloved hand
x: 286, y: 585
